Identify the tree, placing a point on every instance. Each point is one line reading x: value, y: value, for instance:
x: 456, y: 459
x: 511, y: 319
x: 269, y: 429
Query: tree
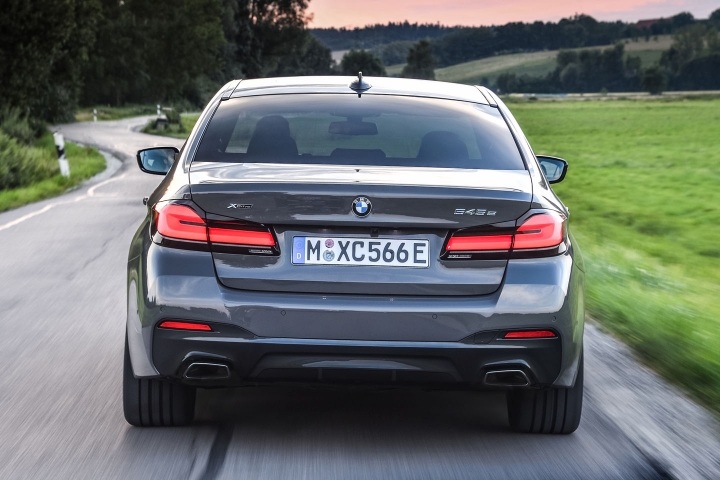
x: 262, y: 31
x: 713, y: 40
x: 420, y: 61
x: 715, y: 17
x: 43, y: 50
x: 506, y: 83
x: 395, y: 52
x: 363, y: 61
x: 654, y: 80
x: 307, y: 57
x: 153, y: 51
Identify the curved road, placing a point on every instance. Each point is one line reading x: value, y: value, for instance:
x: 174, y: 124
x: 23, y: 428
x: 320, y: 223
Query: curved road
x: 62, y: 314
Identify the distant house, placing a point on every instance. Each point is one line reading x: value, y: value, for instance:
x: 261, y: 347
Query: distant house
x: 647, y: 23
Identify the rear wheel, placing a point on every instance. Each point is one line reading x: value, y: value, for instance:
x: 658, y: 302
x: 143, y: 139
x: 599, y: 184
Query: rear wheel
x: 154, y: 403
x: 547, y: 410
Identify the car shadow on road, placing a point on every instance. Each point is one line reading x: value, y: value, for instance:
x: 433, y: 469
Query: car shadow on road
x: 360, y: 409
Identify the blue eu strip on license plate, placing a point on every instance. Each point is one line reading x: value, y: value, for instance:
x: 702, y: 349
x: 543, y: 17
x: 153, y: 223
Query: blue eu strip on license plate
x: 360, y: 251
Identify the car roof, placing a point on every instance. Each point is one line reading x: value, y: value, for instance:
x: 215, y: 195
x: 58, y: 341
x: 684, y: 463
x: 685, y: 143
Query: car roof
x: 341, y: 85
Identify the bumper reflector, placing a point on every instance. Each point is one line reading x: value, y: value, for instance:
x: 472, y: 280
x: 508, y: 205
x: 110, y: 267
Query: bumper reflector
x: 185, y: 326
x: 531, y: 334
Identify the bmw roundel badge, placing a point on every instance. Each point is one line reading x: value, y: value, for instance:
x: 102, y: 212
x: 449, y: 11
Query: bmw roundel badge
x: 361, y: 206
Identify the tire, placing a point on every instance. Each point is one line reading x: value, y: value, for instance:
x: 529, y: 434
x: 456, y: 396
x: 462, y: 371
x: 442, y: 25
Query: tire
x: 547, y: 410
x: 153, y: 402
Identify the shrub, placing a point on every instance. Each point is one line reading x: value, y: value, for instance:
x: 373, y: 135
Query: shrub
x: 654, y: 80
x: 21, y: 165
x: 16, y: 125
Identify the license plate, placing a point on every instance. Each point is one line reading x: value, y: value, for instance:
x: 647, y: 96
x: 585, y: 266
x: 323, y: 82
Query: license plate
x: 360, y: 251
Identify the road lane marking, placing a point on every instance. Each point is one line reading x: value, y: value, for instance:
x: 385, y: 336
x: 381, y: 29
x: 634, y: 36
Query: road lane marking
x: 90, y: 193
x: 27, y: 217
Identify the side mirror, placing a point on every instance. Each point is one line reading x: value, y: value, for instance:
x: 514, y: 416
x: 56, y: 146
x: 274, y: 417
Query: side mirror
x: 156, y: 160
x: 554, y: 168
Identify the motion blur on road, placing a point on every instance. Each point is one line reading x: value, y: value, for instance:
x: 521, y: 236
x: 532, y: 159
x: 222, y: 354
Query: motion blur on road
x: 63, y: 316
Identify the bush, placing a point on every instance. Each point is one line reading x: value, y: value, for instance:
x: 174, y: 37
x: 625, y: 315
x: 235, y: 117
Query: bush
x: 21, y: 165
x: 173, y: 116
x: 654, y: 80
x: 16, y: 125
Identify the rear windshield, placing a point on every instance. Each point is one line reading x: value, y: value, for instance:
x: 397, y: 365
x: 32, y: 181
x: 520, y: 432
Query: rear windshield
x: 346, y: 130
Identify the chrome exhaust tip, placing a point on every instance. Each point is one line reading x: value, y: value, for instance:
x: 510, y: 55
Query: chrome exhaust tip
x: 206, y: 371
x: 507, y: 378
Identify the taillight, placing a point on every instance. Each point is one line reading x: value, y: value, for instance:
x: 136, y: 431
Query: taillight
x: 234, y: 235
x: 175, y: 325
x: 545, y: 230
x: 538, y: 235
x: 180, y: 222
x: 479, y: 243
x: 524, y: 334
x: 180, y: 226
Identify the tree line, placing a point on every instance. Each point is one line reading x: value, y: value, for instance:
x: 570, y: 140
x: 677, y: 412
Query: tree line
x: 453, y: 45
x: 56, y: 55
x: 691, y: 63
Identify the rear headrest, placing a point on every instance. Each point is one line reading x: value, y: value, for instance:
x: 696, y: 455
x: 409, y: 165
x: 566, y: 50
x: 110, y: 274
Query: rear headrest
x: 272, y: 138
x: 442, y: 145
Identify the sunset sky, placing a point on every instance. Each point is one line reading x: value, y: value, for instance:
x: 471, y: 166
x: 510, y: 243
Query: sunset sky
x: 358, y: 13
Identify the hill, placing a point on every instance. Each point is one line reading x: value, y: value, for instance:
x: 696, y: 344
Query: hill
x: 534, y: 63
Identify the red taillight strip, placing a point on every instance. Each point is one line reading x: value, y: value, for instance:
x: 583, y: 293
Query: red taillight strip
x: 175, y: 325
x: 479, y: 243
x: 530, y: 334
x: 241, y: 237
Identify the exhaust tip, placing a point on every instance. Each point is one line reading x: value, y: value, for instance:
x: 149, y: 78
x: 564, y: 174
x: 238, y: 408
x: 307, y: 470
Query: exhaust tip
x: 206, y: 371
x: 507, y: 378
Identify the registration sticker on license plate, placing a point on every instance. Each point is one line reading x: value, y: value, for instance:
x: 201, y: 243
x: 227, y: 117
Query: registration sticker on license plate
x: 360, y: 251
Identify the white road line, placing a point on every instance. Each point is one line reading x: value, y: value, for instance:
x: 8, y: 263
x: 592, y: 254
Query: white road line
x: 26, y: 217
x: 90, y: 193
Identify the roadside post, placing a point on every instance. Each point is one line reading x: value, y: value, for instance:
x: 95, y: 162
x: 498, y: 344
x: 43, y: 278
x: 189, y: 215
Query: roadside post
x: 62, y: 159
x: 94, y: 114
x: 159, y: 112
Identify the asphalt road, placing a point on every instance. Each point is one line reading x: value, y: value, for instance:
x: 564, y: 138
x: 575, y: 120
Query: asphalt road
x: 62, y: 315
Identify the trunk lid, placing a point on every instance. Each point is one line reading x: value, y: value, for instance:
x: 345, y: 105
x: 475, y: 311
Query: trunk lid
x: 411, y: 203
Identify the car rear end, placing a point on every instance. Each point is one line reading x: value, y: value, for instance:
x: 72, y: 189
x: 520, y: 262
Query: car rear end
x: 385, y: 239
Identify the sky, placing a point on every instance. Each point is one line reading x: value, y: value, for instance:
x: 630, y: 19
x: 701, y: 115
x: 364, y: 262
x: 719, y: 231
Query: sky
x: 358, y: 13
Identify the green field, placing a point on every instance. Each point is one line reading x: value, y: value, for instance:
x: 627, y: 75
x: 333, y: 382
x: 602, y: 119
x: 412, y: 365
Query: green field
x: 84, y: 163
x: 535, y: 64
x: 644, y: 195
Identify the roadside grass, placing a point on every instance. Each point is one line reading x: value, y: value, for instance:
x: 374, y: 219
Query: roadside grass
x: 645, y: 207
x: 174, y: 130
x: 537, y: 63
x: 106, y: 112
x: 84, y: 163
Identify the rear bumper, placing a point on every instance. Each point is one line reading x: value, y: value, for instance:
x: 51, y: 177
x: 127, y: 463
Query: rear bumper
x: 264, y: 336
x: 258, y: 360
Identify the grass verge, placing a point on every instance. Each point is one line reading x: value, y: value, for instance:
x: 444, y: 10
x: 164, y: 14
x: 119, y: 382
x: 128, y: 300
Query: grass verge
x: 644, y: 199
x: 84, y: 163
x: 105, y: 112
x: 181, y: 130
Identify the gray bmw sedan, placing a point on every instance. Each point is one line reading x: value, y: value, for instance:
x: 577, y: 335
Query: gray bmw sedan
x: 355, y: 230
